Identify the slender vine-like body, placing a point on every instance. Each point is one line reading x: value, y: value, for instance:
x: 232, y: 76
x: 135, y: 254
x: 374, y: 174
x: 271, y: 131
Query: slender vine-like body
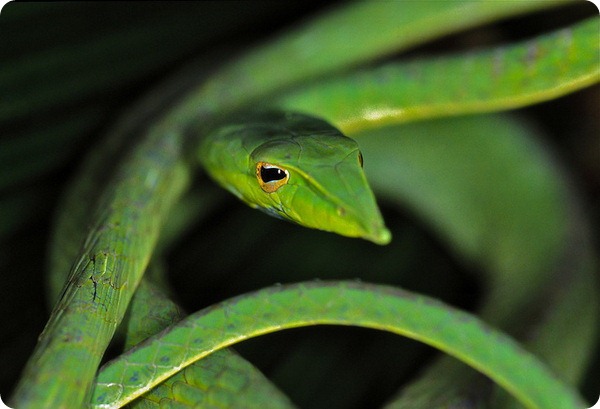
x: 291, y: 165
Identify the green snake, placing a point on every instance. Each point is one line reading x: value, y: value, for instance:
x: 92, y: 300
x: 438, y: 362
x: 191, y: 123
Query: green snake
x: 296, y: 168
x: 288, y: 162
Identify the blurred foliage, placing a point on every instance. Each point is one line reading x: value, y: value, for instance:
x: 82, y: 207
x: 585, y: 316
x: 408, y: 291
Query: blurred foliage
x: 69, y: 69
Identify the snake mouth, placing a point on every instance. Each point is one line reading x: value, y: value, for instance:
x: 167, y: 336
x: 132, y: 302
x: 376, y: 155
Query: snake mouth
x: 379, y: 235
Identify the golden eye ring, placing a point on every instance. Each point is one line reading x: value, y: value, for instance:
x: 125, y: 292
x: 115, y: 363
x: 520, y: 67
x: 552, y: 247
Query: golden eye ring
x: 271, y: 177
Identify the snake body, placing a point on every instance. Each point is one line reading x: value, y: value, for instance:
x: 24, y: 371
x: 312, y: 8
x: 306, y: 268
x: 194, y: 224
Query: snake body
x: 292, y: 165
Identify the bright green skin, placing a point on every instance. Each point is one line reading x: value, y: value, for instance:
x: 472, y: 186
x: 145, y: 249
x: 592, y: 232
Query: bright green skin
x: 327, y: 187
x: 110, y: 223
x: 339, y: 303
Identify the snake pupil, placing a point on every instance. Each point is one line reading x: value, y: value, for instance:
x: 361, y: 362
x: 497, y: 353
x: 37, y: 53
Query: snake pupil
x: 271, y: 177
x: 271, y: 174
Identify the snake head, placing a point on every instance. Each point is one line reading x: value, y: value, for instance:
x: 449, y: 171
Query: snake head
x: 302, y: 169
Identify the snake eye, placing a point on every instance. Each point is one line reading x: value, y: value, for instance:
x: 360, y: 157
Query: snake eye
x: 360, y: 159
x: 271, y: 177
